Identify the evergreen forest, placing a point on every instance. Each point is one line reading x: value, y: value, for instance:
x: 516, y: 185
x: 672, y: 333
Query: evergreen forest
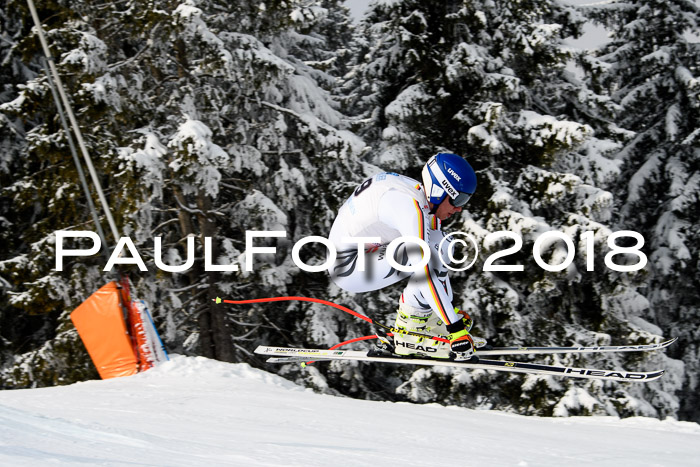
x: 211, y: 119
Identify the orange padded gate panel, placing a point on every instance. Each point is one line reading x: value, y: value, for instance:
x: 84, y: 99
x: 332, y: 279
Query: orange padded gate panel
x: 100, y: 324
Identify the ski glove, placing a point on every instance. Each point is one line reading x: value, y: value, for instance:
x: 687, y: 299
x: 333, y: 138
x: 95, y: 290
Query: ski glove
x: 460, y: 340
x: 466, y: 319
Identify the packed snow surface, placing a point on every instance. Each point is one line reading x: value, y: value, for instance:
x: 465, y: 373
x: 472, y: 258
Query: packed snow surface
x: 194, y: 411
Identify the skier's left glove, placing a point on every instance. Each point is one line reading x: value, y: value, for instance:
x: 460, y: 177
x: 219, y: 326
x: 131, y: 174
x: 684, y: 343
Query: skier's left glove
x: 460, y: 341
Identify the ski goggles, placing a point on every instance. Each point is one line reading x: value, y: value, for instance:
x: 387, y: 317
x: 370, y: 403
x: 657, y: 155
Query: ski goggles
x: 460, y: 200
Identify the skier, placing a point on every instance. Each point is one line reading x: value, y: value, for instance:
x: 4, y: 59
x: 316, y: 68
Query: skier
x: 388, y: 206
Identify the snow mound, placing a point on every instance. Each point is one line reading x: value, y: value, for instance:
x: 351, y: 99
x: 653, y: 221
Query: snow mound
x: 195, y: 411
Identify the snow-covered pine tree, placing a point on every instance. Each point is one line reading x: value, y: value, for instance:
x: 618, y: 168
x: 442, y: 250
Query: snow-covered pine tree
x: 650, y: 68
x: 205, y: 120
x: 488, y: 80
x: 40, y: 194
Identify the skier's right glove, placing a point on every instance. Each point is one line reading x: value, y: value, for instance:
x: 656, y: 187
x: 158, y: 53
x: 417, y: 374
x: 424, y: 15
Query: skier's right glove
x: 460, y: 340
x: 466, y: 319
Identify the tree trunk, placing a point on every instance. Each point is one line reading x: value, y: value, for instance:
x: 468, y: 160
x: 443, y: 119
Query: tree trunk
x: 218, y: 341
x: 214, y: 333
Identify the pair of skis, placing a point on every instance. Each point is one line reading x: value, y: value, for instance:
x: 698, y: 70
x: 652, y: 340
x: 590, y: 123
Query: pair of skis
x: 294, y: 355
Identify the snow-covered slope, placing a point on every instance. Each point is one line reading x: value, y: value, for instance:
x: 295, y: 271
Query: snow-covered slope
x: 194, y: 411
